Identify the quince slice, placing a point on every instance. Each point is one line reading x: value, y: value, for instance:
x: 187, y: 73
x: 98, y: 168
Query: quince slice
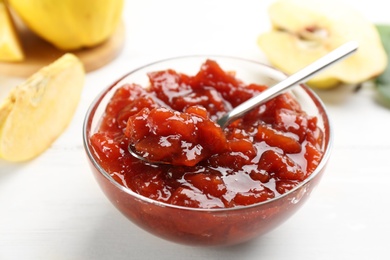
x: 305, y: 30
x: 36, y: 112
x: 10, y: 47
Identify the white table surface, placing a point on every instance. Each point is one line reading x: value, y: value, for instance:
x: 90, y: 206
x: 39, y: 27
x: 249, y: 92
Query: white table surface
x: 52, y: 208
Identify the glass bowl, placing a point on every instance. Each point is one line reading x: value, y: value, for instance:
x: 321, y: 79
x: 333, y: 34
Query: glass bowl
x: 206, y: 227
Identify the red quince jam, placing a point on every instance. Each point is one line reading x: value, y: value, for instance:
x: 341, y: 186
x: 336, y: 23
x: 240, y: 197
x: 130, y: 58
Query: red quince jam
x: 258, y: 157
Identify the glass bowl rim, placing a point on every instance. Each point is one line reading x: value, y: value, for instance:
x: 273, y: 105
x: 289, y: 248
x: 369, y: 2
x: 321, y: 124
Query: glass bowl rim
x: 313, y: 96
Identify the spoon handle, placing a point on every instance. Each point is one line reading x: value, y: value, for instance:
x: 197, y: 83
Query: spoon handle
x: 301, y: 76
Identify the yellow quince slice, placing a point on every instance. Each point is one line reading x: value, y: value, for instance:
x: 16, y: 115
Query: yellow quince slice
x: 36, y: 112
x: 10, y: 47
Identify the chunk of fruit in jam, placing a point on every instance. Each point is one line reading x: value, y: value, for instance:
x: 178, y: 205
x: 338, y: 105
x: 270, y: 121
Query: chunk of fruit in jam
x: 264, y: 154
x: 173, y: 137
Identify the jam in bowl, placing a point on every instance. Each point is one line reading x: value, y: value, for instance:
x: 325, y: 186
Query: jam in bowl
x: 212, y: 186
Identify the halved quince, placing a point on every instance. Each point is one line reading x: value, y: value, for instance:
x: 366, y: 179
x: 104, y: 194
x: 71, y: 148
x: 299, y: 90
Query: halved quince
x: 10, y: 47
x: 305, y: 30
x: 36, y: 112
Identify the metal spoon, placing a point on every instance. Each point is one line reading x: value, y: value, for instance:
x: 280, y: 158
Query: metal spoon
x: 299, y: 77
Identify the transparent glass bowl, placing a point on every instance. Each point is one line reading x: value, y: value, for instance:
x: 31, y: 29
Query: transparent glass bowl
x: 206, y: 227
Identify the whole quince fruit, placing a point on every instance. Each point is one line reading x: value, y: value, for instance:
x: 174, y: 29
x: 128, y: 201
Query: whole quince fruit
x: 305, y: 30
x: 70, y: 24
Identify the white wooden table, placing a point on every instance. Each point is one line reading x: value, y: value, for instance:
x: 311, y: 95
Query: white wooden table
x: 52, y: 207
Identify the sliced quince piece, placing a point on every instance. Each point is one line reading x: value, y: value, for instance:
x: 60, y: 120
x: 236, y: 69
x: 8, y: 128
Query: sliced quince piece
x: 37, y: 111
x: 305, y: 30
x: 10, y: 47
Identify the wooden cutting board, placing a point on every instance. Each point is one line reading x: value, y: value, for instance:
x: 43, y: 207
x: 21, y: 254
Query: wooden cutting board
x: 39, y: 53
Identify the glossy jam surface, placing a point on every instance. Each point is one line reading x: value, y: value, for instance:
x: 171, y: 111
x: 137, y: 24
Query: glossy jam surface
x: 258, y: 157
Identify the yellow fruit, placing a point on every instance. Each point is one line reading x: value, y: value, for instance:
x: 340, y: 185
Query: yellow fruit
x: 36, y: 112
x: 305, y: 30
x: 70, y: 24
x: 10, y: 48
